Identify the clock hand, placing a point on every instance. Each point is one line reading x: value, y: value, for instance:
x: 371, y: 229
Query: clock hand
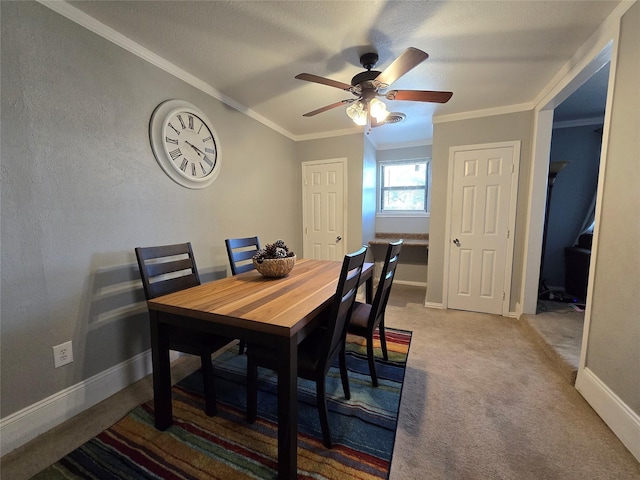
x: 198, y: 151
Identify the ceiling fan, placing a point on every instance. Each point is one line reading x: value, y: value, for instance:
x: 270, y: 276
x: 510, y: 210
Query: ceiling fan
x: 367, y: 86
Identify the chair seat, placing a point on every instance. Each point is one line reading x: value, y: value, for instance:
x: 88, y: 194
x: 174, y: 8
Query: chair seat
x: 360, y: 318
x: 194, y: 343
x: 308, y: 354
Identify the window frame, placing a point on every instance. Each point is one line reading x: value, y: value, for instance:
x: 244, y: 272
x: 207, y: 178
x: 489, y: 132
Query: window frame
x: 380, y: 189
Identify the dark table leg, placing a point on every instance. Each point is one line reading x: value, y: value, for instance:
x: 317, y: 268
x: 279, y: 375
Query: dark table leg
x: 368, y: 278
x: 161, y: 373
x: 369, y: 290
x: 288, y: 409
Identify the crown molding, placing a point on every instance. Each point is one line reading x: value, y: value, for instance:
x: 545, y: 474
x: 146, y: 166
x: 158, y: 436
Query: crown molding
x: 487, y: 112
x: 75, y: 15
x: 581, y: 122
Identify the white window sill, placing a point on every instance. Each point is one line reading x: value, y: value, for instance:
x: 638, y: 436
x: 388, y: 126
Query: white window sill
x: 404, y: 214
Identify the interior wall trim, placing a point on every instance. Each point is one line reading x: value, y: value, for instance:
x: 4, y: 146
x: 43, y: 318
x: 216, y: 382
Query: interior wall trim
x: 583, y: 122
x: 620, y: 418
x: 24, y: 425
x: 410, y: 283
x: 487, y: 112
x: 435, y: 305
x: 75, y: 15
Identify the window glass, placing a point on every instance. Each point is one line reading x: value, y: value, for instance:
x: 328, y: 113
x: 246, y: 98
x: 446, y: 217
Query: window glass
x: 404, y: 186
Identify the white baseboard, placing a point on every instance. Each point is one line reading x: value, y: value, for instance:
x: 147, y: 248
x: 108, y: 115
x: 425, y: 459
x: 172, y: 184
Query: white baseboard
x: 410, y: 283
x: 623, y: 421
x: 26, y: 424
x: 439, y: 306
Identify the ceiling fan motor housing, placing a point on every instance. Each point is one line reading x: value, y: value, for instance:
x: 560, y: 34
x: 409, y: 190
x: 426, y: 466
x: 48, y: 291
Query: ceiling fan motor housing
x: 368, y: 76
x: 368, y: 61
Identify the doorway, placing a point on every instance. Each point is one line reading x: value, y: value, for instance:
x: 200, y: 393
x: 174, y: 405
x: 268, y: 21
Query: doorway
x: 576, y: 143
x: 324, y: 217
x: 480, y: 220
x: 564, y: 342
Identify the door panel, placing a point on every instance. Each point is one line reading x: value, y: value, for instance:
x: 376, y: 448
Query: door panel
x: 479, y: 226
x: 323, y: 210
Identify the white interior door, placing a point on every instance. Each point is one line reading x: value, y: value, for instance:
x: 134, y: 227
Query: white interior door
x: 481, y: 220
x: 324, y: 218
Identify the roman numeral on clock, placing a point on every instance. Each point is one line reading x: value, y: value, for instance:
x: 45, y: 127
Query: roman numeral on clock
x: 191, y: 122
x: 181, y: 122
x: 171, y: 140
x: 184, y: 164
x: 174, y: 129
x: 175, y: 153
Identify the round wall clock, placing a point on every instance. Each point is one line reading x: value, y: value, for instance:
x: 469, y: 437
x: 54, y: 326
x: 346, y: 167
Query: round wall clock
x: 185, y: 144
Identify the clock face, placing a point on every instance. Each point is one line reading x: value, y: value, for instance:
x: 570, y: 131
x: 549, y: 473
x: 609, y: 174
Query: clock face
x: 185, y: 144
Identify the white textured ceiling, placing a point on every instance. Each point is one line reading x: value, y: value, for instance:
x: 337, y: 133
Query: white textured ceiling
x: 488, y: 53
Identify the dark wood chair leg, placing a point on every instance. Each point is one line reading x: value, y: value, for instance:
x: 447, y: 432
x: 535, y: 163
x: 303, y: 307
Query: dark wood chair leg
x: 383, y: 339
x: 209, y: 385
x: 344, y: 375
x: 241, y: 347
x: 252, y: 390
x: 372, y: 361
x: 321, y: 398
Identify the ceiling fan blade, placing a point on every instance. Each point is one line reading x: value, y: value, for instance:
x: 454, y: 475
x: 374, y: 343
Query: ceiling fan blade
x: 324, y: 81
x: 329, y: 107
x: 411, y: 58
x: 419, y: 96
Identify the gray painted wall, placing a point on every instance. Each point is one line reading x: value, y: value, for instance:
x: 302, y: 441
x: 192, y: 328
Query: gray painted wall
x: 613, y: 351
x: 369, y: 182
x: 81, y: 188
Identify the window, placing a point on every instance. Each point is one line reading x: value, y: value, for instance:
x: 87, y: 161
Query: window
x: 404, y: 186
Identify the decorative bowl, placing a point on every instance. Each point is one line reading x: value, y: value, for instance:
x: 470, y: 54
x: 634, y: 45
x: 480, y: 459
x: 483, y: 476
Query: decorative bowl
x: 275, y: 267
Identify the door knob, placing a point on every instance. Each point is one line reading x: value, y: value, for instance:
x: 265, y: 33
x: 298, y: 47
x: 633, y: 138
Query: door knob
x: 456, y: 242
x: 338, y: 238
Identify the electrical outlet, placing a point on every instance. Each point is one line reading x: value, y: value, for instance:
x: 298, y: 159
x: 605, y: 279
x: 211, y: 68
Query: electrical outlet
x: 62, y: 354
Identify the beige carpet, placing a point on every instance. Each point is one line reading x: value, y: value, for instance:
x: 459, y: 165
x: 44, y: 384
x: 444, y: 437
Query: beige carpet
x: 480, y: 401
x: 557, y: 329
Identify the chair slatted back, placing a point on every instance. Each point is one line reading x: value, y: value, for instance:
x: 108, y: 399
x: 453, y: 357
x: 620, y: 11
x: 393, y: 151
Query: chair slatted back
x: 167, y: 268
x: 342, y: 305
x: 386, y: 280
x: 240, y: 252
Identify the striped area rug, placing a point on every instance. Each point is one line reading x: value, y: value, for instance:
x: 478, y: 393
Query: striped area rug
x: 227, y: 447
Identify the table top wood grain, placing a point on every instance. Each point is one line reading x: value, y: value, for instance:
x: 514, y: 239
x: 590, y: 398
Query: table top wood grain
x: 277, y: 306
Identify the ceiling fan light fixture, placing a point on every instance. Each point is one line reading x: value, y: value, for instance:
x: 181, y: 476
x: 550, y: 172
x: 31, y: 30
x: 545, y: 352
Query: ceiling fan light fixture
x: 378, y: 110
x: 357, y: 113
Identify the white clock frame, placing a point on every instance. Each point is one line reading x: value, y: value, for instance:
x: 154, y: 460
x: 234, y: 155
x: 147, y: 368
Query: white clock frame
x: 157, y: 133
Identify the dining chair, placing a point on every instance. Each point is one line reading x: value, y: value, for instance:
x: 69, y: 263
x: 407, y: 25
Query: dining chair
x: 240, y: 252
x: 170, y: 268
x: 366, y: 318
x: 318, y: 351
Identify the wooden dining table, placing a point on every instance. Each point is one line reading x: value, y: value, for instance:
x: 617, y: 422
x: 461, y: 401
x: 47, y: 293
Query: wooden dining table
x: 275, y: 312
